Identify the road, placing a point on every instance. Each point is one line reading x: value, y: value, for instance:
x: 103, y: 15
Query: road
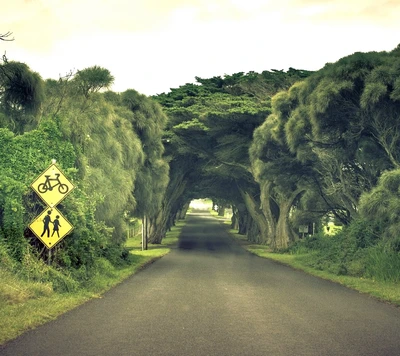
x: 211, y: 297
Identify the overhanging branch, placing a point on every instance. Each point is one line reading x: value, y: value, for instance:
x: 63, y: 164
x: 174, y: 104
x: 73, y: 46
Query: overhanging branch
x: 5, y: 36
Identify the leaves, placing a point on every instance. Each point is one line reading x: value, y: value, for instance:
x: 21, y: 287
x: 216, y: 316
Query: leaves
x: 93, y: 79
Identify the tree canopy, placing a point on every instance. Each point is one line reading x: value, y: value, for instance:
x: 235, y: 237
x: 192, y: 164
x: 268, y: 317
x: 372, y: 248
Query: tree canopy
x: 283, y: 149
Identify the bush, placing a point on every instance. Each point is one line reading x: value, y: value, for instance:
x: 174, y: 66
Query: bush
x: 382, y: 205
x: 96, y: 277
x: 342, y: 254
x: 11, y: 216
x: 34, y: 269
x: 6, y: 262
x: 383, y: 264
x: 363, y: 232
x: 117, y: 255
x: 14, y: 290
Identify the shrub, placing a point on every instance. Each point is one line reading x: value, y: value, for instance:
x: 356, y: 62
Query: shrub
x: 34, y: 269
x: 344, y: 253
x: 383, y: 264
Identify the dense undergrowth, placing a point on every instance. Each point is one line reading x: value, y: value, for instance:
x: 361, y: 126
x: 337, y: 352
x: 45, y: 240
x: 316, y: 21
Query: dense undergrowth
x: 355, y: 251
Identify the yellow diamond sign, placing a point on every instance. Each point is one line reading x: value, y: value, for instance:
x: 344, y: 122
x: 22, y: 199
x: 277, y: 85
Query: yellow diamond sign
x: 50, y: 227
x: 52, y: 186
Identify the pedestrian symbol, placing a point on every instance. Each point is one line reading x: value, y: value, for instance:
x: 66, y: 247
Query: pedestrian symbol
x: 50, y: 227
x: 52, y: 186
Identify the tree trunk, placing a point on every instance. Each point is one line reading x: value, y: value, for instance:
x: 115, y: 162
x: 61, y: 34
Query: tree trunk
x: 145, y: 232
x: 284, y: 232
x: 162, y: 219
x: 257, y: 215
x: 182, y: 212
x: 157, y: 228
x: 243, y: 216
x: 265, y: 197
x: 253, y: 231
x: 235, y: 218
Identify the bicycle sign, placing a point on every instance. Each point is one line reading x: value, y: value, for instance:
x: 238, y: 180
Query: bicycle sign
x: 52, y: 186
x: 48, y: 186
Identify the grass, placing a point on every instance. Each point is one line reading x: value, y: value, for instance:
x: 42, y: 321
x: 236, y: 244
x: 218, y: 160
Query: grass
x: 384, y: 291
x: 27, y: 304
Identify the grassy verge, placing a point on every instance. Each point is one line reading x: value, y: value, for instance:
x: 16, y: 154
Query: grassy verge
x: 384, y: 291
x: 27, y: 304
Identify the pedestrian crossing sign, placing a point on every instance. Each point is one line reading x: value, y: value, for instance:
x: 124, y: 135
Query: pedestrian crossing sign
x: 50, y: 227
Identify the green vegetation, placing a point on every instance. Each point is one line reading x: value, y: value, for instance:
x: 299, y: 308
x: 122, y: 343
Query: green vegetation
x: 290, y: 153
x: 32, y: 293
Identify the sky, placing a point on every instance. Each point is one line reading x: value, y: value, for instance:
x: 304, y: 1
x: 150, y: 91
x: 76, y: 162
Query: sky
x: 154, y: 45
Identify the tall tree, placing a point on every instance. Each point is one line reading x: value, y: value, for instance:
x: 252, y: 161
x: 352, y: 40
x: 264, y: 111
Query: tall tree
x: 148, y: 121
x: 215, y: 121
x: 21, y: 96
x: 109, y: 151
x: 282, y: 177
x: 327, y: 123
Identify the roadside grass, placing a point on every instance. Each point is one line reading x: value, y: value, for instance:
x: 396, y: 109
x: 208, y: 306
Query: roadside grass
x: 382, y: 290
x: 26, y: 304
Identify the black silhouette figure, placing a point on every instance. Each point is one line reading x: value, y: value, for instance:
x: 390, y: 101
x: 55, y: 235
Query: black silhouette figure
x: 46, y: 222
x: 47, y: 185
x: 56, y: 224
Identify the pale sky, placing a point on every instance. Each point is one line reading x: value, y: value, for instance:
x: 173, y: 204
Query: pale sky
x: 152, y: 46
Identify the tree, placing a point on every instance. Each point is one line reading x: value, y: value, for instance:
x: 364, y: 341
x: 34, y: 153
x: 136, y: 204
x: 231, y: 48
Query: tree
x: 5, y: 36
x: 381, y: 206
x: 215, y: 121
x: 148, y: 121
x: 282, y: 177
x: 109, y: 151
x: 93, y: 79
x: 332, y: 120
x: 21, y: 96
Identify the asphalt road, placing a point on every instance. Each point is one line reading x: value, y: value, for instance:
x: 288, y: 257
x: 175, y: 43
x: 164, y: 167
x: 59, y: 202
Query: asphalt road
x: 210, y: 297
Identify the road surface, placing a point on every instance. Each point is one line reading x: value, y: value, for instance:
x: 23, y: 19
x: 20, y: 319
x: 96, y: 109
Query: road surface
x: 210, y: 297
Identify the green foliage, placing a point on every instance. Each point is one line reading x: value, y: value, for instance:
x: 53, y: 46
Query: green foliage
x: 382, y: 205
x: 11, y: 215
x: 210, y: 130
x: 341, y: 124
x: 103, y: 143
x: 194, y: 124
x: 6, y: 261
x: 34, y: 269
x: 383, y: 264
x: 109, y: 152
x: 295, y: 141
x: 23, y: 158
x: 148, y: 121
x: 345, y: 253
x: 92, y: 79
x: 21, y: 96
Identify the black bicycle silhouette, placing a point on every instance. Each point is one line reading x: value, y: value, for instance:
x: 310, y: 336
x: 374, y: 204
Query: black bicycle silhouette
x: 44, y: 187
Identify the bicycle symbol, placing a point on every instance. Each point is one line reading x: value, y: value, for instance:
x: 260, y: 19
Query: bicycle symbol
x: 44, y: 187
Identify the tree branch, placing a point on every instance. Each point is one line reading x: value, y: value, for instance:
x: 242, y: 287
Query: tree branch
x: 4, y: 36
